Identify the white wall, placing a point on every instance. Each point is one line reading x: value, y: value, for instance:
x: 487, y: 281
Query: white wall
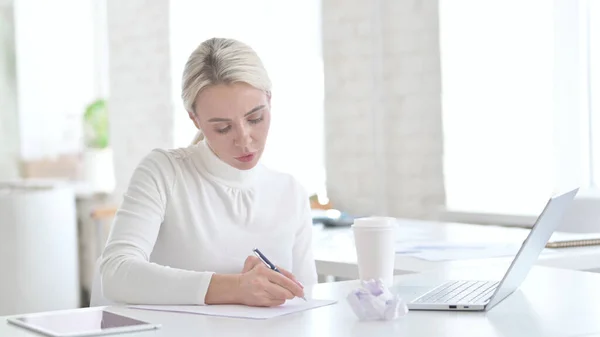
x: 141, y: 111
x: 9, y: 131
x: 383, y: 106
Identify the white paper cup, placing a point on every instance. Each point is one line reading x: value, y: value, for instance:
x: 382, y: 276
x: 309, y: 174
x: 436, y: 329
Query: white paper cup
x: 374, y: 240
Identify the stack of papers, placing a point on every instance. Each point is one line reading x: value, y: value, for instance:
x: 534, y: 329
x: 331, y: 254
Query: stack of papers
x: 446, y: 251
x: 241, y: 311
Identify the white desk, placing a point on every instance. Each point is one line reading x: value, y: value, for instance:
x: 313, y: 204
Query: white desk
x: 335, y: 253
x: 551, y: 302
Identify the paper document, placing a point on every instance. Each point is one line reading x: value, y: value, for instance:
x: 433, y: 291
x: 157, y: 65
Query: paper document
x: 241, y: 311
x: 444, y: 251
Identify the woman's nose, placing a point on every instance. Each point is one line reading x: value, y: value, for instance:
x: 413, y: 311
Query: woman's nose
x: 243, y: 138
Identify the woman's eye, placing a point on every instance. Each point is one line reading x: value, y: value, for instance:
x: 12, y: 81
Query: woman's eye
x: 224, y: 130
x: 256, y: 120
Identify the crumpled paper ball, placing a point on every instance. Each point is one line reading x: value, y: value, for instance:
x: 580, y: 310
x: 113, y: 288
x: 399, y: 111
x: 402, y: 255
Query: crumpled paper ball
x: 374, y: 301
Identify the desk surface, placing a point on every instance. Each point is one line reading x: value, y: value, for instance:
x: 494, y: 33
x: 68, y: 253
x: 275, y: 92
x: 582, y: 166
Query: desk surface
x: 551, y: 302
x: 335, y: 252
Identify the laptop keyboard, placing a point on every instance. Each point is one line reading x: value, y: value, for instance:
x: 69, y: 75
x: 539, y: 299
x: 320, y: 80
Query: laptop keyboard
x: 463, y: 292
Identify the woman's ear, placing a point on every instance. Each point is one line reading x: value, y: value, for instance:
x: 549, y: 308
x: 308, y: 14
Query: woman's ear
x: 194, y: 119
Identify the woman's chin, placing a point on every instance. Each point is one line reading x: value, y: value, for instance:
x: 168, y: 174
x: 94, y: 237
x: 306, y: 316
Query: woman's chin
x: 245, y: 166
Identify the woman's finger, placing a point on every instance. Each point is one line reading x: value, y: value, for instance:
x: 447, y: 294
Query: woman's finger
x: 251, y: 262
x: 285, y: 282
x: 290, y: 276
x: 273, y: 303
x: 276, y: 292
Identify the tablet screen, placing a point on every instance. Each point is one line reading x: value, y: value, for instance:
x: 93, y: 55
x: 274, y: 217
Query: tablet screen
x: 86, y: 322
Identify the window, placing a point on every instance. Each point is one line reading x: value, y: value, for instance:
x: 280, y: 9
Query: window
x: 286, y: 35
x: 54, y: 65
x: 516, y: 110
x: 594, y: 95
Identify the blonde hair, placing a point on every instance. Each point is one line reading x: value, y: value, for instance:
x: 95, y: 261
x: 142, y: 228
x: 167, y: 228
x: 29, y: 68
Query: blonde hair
x: 221, y: 61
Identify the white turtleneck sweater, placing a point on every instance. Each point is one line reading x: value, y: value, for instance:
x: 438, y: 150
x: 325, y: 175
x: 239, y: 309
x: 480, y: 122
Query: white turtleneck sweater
x: 187, y: 214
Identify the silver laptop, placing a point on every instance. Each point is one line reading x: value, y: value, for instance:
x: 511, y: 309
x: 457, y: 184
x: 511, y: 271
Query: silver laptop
x: 476, y: 295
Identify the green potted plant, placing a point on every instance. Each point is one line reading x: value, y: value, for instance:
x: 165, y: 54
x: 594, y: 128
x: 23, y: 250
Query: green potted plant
x: 98, y: 169
x: 95, y: 121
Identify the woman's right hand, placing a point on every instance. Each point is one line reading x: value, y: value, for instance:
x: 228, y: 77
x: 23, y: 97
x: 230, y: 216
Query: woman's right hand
x: 261, y: 286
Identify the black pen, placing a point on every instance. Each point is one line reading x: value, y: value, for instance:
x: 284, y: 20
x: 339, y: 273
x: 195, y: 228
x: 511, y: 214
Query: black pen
x: 270, y: 265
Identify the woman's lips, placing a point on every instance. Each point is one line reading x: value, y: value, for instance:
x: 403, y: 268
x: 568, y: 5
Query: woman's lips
x: 246, y: 158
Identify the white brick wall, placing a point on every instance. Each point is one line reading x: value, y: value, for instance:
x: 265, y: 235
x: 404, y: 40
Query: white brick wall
x: 9, y: 123
x: 383, y: 106
x: 140, y: 82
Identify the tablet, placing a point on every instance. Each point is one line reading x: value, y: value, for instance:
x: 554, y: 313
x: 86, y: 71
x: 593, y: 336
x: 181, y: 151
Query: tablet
x: 89, y: 322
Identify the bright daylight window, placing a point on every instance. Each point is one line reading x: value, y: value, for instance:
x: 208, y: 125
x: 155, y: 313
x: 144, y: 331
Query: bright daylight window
x: 516, y: 125
x: 286, y: 35
x: 594, y: 59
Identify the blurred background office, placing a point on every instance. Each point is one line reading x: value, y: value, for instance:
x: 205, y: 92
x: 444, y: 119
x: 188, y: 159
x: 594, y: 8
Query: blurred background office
x: 461, y: 110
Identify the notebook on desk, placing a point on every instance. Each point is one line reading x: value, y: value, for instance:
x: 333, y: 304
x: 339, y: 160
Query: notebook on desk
x: 566, y: 240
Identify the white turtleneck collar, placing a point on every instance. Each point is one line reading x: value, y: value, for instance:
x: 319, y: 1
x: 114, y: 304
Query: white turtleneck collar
x: 220, y: 171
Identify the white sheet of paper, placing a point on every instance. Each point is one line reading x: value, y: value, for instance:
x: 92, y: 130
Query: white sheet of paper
x: 241, y: 311
x: 445, y: 251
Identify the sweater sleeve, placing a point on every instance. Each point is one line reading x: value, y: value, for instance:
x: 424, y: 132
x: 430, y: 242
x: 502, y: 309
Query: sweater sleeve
x: 303, y: 265
x: 127, y: 276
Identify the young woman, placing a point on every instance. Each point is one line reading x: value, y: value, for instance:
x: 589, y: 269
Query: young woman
x: 191, y: 217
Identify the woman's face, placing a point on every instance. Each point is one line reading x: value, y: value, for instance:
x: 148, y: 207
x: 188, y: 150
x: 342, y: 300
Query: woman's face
x: 235, y: 120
